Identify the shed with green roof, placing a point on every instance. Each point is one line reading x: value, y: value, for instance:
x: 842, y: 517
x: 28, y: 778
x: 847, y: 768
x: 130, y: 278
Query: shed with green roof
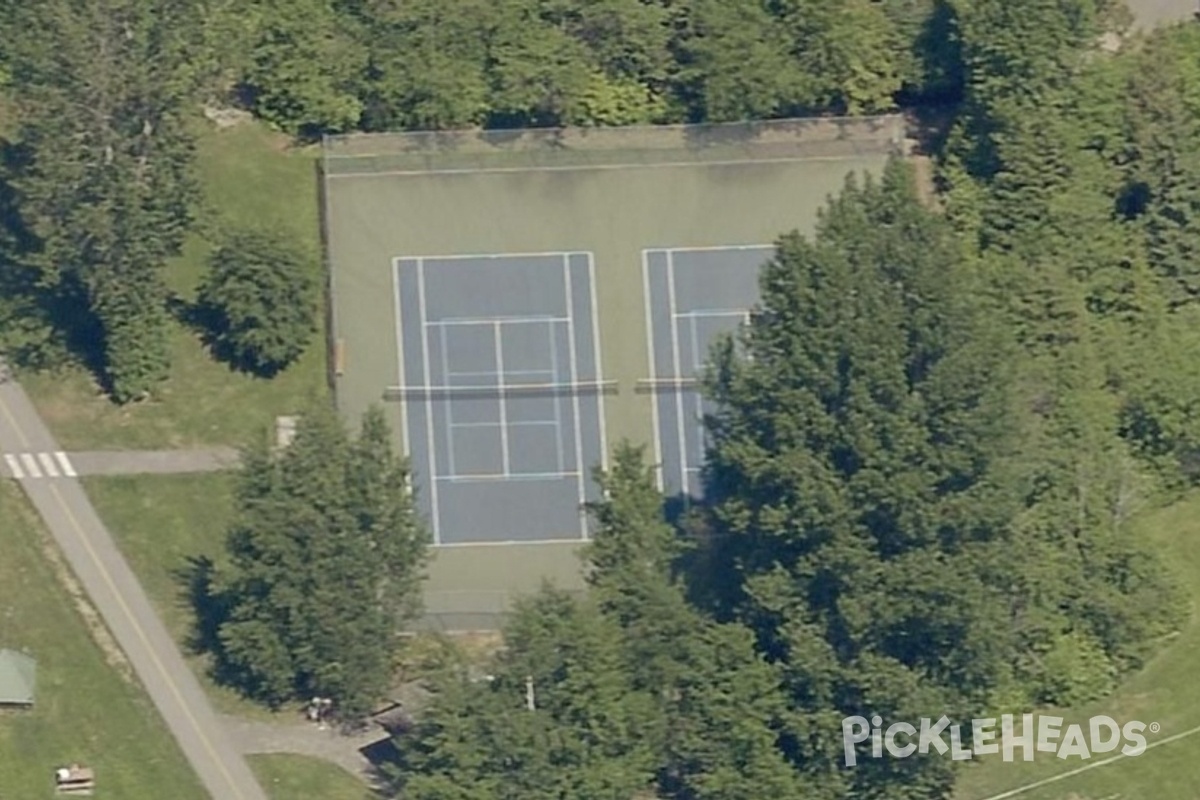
x: 18, y: 673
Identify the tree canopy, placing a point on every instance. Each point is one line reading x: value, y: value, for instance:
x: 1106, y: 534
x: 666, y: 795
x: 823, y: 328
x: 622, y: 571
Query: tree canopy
x: 325, y: 560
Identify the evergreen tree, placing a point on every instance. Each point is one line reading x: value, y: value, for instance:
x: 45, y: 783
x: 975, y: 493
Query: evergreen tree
x: 324, y: 563
x: 259, y: 299
x: 584, y: 736
x: 850, y: 471
x: 305, y: 69
x: 102, y: 88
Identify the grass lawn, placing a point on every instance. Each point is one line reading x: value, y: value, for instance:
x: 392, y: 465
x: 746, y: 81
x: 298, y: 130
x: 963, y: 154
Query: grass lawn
x: 85, y: 710
x: 287, y: 777
x: 250, y: 178
x: 1165, y: 692
x: 162, y: 523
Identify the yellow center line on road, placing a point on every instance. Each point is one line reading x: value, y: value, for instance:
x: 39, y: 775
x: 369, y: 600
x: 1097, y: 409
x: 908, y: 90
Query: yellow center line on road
x: 112, y: 586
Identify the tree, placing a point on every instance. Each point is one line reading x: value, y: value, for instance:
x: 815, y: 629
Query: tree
x: 851, y: 475
x: 584, y: 736
x: 734, y: 62
x: 107, y: 188
x: 324, y: 564
x: 428, y: 65
x: 306, y: 69
x: 847, y: 51
x: 259, y: 300
x: 720, y: 706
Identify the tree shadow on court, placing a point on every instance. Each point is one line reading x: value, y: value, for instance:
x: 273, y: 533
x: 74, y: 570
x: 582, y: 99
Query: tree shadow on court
x: 705, y: 563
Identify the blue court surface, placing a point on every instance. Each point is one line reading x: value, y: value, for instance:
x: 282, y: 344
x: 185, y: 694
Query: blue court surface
x: 692, y: 297
x: 503, y: 393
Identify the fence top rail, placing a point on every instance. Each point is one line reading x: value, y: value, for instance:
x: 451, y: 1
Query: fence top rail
x: 433, y: 150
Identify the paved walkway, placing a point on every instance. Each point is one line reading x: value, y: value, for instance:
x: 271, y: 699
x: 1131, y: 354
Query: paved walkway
x: 1152, y: 13
x: 159, y: 462
x: 117, y: 595
x: 305, y: 738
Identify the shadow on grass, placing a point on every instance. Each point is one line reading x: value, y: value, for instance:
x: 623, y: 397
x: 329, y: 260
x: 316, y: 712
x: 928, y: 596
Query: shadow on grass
x: 45, y: 309
x: 211, y: 609
x: 210, y: 326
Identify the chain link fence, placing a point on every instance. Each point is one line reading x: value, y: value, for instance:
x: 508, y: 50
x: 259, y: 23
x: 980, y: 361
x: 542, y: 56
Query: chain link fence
x: 572, y: 148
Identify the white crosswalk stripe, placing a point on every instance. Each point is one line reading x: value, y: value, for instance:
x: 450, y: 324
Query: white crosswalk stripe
x: 48, y: 464
x: 39, y: 465
x: 14, y: 466
x: 31, y: 465
x: 65, y: 463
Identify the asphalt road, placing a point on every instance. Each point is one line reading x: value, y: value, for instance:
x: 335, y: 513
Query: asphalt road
x: 117, y: 595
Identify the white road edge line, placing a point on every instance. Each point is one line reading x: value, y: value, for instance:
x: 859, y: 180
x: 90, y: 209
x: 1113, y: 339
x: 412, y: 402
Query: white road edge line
x: 1074, y: 772
x: 65, y: 463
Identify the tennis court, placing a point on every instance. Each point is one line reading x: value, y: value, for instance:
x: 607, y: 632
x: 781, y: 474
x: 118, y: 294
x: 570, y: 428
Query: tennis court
x: 502, y: 393
x: 693, y: 296
x: 518, y: 302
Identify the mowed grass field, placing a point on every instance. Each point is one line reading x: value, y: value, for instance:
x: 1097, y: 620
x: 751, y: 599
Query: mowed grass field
x: 165, y: 525
x: 1166, y: 692
x: 250, y: 178
x: 87, y: 708
x: 290, y: 777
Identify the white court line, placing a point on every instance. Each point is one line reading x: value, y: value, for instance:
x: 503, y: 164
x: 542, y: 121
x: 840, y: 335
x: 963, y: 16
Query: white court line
x: 494, y: 477
x: 679, y: 425
x: 549, y: 255
x: 552, y: 334
x: 713, y: 248
x: 697, y: 395
x: 591, y: 268
x: 449, y: 406
x: 400, y: 379
x: 503, y: 543
x: 30, y: 465
x: 703, y: 313
x: 655, y: 399
x: 1085, y: 768
x: 507, y: 319
x: 566, y: 264
x: 498, y: 334
x: 65, y: 463
x: 14, y: 466
x: 48, y: 465
x: 433, y: 496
